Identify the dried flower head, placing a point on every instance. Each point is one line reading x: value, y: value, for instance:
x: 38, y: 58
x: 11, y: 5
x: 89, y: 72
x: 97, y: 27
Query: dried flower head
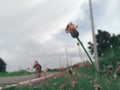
x: 70, y: 27
x: 97, y: 87
x: 62, y: 86
x: 74, y: 83
x: 76, y: 74
x: 109, y: 66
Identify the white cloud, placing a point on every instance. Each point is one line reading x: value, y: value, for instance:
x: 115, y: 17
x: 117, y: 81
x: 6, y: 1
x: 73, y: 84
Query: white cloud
x: 109, y: 17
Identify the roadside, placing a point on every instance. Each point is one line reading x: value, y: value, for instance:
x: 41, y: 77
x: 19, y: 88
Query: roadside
x: 19, y: 81
x: 16, y: 79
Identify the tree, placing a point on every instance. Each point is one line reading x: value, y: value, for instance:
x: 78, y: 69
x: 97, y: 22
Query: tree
x: 2, y: 65
x: 108, y: 47
x: 104, y: 41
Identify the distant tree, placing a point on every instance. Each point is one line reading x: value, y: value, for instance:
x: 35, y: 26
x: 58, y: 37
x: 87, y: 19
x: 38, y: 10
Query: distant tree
x: 2, y: 65
x: 115, y: 40
x: 108, y: 47
x: 103, y: 39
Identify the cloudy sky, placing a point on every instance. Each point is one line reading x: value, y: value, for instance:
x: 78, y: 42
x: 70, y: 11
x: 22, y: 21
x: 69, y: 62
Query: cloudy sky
x: 35, y: 29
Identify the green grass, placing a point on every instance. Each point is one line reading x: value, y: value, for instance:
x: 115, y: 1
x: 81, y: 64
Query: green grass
x: 16, y: 73
x: 86, y: 80
x: 6, y: 84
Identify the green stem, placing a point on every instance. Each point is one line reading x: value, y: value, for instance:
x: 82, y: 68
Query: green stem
x: 86, y: 51
x: 101, y: 80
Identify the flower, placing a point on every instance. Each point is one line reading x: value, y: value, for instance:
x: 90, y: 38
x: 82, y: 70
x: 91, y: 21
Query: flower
x: 115, y: 76
x: 98, y: 87
x: 109, y: 66
x: 70, y: 27
x: 54, y: 84
x: 62, y: 86
x: 76, y: 74
x: 74, y: 83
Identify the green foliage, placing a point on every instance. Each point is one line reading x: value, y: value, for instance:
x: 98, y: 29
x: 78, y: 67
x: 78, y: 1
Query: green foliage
x: 105, y: 41
x: 2, y: 65
x: 53, y: 70
x: 108, y: 47
x: 112, y: 57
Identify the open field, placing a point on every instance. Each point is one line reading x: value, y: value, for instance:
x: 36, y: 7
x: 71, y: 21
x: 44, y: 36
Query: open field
x: 15, y: 73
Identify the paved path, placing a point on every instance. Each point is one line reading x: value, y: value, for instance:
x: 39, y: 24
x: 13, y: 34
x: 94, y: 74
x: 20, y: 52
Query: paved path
x: 17, y: 79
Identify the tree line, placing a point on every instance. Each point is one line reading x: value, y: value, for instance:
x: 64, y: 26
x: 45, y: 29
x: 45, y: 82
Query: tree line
x: 2, y: 65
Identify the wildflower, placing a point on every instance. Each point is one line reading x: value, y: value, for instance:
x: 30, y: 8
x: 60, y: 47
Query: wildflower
x: 74, y: 83
x: 70, y: 27
x: 115, y: 76
x: 62, y: 86
x: 54, y: 84
x: 70, y: 71
x: 108, y: 73
x: 109, y: 66
x: 98, y: 87
x: 76, y: 74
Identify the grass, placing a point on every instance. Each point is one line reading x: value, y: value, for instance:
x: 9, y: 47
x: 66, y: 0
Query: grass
x: 84, y: 79
x: 16, y: 73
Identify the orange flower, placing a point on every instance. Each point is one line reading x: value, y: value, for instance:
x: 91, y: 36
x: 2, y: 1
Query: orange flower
x: 70, y: 27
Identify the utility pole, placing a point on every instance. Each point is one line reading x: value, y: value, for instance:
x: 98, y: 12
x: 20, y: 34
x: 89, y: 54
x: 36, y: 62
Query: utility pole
x: 59, y: 61
x: 79, y: 52
x: 93, y: 35
x: 70, y: 61
x: 67, y: 57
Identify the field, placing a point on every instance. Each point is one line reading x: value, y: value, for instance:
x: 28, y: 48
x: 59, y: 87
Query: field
x: 81, y: 79
x: 16, y: 73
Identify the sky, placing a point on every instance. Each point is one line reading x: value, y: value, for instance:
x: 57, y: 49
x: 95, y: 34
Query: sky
x: 35, y: 29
